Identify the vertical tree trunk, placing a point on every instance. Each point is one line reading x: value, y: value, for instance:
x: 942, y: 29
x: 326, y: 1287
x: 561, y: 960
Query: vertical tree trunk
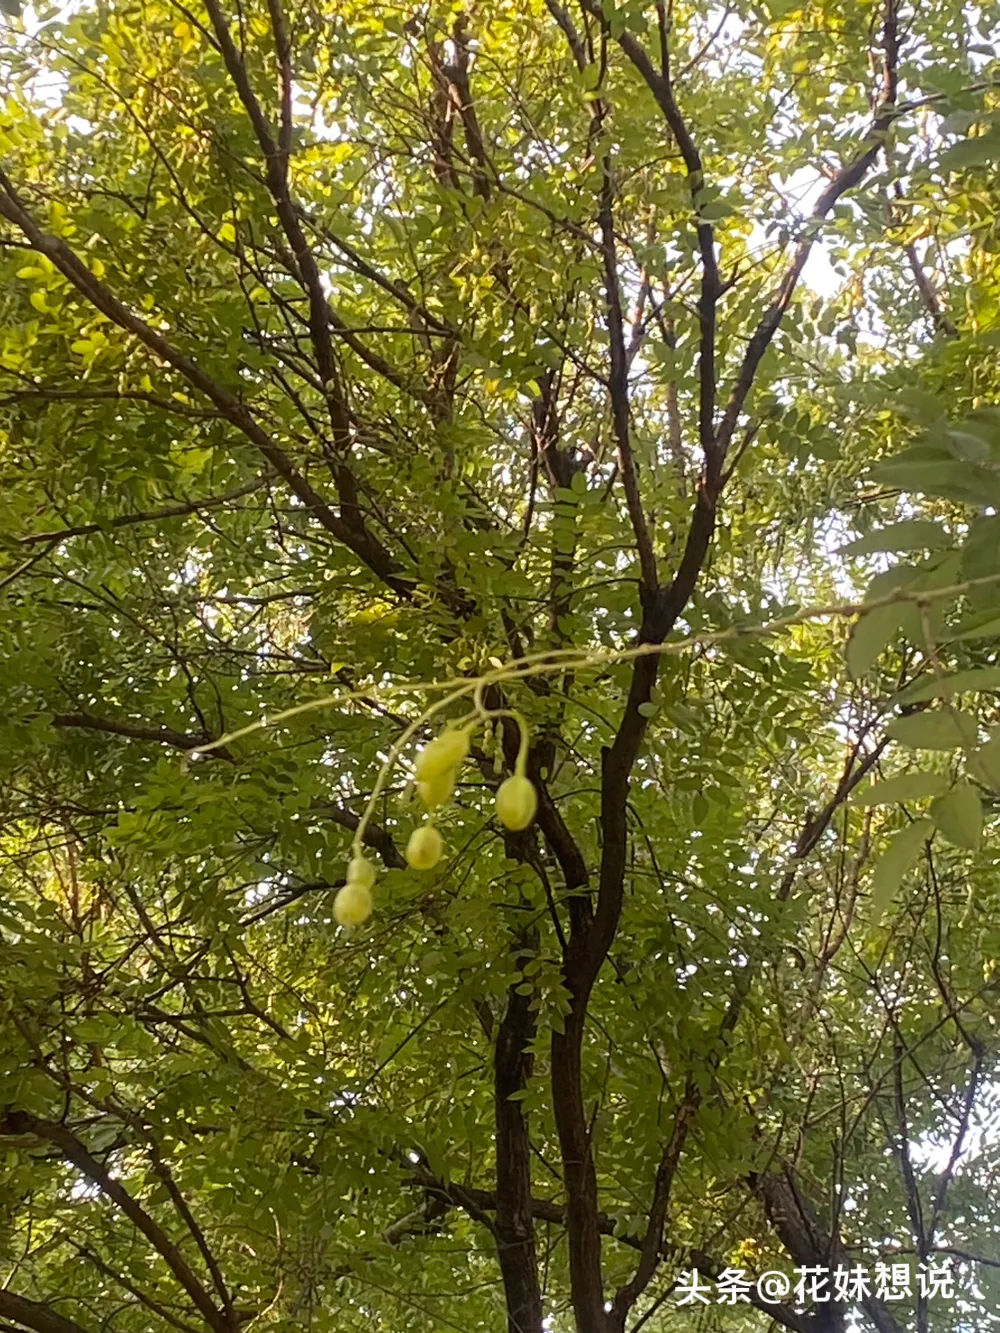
x: 515, y: 1225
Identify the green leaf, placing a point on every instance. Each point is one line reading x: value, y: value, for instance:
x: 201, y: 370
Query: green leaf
x: 684, y: 717
x: 944, y: 687
x: 976, y: 152
x: 715, y: 210
x: 903, y: 787
x: 913, y: 534
x: 959, y: 816
x: 934, y: 730
x: 873, y: 631
x: 937, y: 472
x: 901, y: 853
x: 893, y: 580
x: 95, y: 1029
x: 985, y: 763
x: 970, y: 445
x: 919, y: 406
x: 978, y: 627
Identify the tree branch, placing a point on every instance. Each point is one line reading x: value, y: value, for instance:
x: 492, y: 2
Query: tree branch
x: 928, y: 296
x: 651, y: 1246
x: 806, y: 1241
x: 462, y: 98
x: 515, y: 1229
x: 132, y: 1289
x: 546, y: 1210
x: 35, y: 1315
x: 357, y: 539
x: 107, y: 395
x: 305, y: 268
x: 75, y: 1152
x: 849, y: 175
x: 810, y: 834
x: 152, y: 516
x: 588, y: 948
x: 618, y: 386
x: 661, y: 86
x: 376, y: 837
x: 178, y: 740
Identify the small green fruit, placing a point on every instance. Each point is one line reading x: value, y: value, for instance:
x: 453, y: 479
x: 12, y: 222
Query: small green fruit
x: 424, y: 849
x: 437, y: 791
x: 517, y: 803
x: 352, y: 905
x: 360, y: 871
x: 441, y: 754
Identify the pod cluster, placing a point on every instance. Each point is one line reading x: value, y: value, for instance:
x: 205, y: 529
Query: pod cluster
x: 436, y: 770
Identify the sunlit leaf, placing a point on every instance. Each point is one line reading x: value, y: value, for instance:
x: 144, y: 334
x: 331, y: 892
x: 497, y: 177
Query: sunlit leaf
x: 903, y: 787
x: 957, y: 682
x: 959, y: 816
x: 872, y: 632
x: 946, y: 729
x: 900, y: 855
x: 914, y: 534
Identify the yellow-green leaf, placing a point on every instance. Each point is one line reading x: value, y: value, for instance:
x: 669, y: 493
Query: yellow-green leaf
x: 903, y: 787
x: 944, y: 730
x: 943, y: 687
x: 959, y: 816
x: 913, y: 534
x: 978, y: 628
x: 985, y: 763
x: 873, y: 631
x: 902, y: 851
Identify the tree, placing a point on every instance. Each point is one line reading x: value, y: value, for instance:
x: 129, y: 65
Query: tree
x: 582, y: 373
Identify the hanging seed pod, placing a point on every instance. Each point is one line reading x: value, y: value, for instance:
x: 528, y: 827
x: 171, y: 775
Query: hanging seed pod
x: 424, y: 849
x: 441, y: 754
x: 352, y: 905
x: 437, y: 791
x: 361, y: 872
x: 516, y: 802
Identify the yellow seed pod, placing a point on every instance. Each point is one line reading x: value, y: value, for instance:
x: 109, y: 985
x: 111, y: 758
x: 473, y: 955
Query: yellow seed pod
x: 424, y: 849
x: 437, y: 791
x: 517, y: 802
x: 352, y: 905
x: 443, y: 753
x: 360, y: 871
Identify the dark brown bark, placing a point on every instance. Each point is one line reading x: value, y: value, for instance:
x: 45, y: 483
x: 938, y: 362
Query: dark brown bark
x: 36, y: 1315
x: 178, y: 740
x: 515, y: 1224
x: 808, y: 1243
x: 483, y: 1202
